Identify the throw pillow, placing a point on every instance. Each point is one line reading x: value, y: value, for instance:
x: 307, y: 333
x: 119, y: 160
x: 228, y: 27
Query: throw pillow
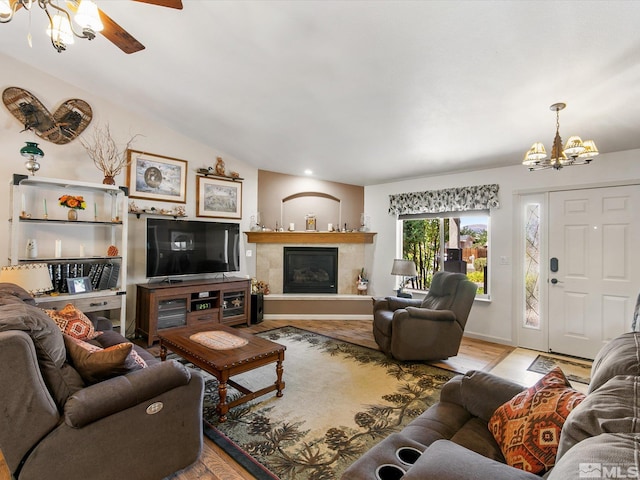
x: 138, y: 359
x: 73, y: 322
x: 527, y: 427
x: 95, y: 364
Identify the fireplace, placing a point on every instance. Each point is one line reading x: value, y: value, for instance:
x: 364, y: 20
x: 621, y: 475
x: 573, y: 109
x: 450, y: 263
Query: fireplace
x: 310, y: 270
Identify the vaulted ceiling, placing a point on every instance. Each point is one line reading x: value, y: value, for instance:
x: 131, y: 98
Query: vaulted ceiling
x: 364, y: 92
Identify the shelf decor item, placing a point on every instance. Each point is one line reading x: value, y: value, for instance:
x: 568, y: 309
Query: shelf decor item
x: 105, y: 153
x: 33, y: 277
x: 73, y: 203
x: 156, y: 177
x: 33, y: 153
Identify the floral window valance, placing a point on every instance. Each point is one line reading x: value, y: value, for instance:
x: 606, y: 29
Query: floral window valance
x: 463, y: 199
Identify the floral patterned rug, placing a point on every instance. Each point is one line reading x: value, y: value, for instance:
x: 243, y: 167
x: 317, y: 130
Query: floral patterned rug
x: 340, y: 399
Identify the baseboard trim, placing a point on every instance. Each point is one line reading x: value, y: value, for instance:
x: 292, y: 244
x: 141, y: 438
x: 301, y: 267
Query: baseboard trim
x: 305, y: 316
x: 490, y: 338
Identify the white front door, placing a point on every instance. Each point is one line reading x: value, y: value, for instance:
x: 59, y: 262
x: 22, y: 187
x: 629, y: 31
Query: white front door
x: 593, y: 268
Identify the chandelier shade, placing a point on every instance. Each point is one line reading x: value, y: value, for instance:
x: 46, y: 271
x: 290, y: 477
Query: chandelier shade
x: 61, y: 31
x: 574, y: 152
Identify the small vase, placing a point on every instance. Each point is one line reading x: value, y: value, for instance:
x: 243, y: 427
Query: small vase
x: 72, y: 216
x: 108, y: 180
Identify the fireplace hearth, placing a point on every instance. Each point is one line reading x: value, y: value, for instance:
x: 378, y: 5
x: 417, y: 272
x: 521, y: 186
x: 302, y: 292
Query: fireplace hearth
x: 310, y: 270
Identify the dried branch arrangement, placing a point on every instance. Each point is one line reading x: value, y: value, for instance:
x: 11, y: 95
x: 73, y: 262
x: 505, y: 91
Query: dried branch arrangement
x: 104, y: 152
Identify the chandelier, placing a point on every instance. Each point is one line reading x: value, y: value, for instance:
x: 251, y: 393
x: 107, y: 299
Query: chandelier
x: 575, y: 152
x: 61, y: 29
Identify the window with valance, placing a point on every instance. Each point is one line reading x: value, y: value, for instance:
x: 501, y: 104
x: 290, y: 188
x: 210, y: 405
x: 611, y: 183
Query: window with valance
x: 447, y: 230
x: 461, y: 199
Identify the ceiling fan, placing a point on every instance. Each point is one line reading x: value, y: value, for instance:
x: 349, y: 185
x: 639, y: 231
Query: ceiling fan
x: 123, y: 39
x: 111, y: 31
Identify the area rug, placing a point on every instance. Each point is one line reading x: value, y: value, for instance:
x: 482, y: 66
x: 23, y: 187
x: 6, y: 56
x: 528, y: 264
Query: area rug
x: 574, y: 371
x: 340, y: 399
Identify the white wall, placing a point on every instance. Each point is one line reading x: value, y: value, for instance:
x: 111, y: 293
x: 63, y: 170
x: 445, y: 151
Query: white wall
x: 494, y: 320
x: 71, y: 161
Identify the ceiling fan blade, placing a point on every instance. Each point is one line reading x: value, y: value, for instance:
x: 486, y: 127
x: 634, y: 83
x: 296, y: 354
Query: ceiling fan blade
x: 118, y: 35
x: 164, y: 3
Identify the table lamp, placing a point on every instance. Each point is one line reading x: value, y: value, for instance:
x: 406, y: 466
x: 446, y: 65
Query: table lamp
x: 403, y: 268
x: 33, y: 277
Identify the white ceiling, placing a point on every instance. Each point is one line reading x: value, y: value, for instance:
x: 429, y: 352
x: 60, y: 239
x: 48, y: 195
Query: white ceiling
x: 365, y: 92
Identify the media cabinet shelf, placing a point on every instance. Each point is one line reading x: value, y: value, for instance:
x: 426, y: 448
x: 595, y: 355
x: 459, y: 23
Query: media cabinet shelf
x: 161, y: 306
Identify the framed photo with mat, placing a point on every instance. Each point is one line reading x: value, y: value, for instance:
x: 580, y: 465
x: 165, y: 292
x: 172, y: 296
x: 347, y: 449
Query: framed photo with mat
x: 79, y: 285
x: 218, y: 198
x: 156, y: 177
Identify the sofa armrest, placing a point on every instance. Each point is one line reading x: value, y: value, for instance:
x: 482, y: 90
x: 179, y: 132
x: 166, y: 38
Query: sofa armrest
x: 480, y: 393
x: 100, y: 323
x: 380, y: 303
x: 428, y: 314
x: 436, y: 462
x: 396, y: 303
x: 122, y: 392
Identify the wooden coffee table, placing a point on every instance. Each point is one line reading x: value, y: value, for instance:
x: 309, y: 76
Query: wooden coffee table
x: 224, y: 364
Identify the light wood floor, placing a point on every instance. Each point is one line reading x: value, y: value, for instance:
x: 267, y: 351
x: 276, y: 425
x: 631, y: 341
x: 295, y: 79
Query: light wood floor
x: 215, y: 464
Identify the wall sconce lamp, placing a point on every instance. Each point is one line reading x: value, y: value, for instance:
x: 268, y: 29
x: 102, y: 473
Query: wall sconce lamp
x: 33, y: 153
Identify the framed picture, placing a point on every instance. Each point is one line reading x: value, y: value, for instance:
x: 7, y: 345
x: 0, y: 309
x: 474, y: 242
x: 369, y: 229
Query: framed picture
x: 218, y: 198
x: 156, y: 177
x: 79, y: 285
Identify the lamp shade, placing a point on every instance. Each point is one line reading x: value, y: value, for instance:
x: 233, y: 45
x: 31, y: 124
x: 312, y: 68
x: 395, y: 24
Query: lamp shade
x: 406, y: 268
x: 31, y: 149
x: 87, y: 16
x: 33, y: 277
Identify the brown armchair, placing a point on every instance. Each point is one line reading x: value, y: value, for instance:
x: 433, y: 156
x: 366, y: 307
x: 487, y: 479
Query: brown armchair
x: 428, y: 329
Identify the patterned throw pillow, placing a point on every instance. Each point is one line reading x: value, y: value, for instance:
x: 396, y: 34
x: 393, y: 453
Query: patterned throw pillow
x: 527, y: 427
x: 73, y: 322
x: 138, y: 359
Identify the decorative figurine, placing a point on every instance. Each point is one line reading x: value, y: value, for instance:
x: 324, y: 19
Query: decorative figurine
x: 32, y: 248
x: 220, y: 167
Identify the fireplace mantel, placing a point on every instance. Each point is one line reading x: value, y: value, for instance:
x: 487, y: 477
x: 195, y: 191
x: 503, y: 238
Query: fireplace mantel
x: 310, y: 237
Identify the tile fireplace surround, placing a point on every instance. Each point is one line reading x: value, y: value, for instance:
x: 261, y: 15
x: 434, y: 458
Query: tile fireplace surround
x: 269, y: 265
x: 270, y: 251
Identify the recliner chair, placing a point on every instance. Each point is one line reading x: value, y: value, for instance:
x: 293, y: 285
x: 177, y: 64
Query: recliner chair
x: 428, y: 329
x: 145, y: 424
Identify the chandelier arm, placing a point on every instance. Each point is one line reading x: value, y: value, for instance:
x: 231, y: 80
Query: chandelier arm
x: 59, y: 48
x: 64, y: 12
x: 14, y: 8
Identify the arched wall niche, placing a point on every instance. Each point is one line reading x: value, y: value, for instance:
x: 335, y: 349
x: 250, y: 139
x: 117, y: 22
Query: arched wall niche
x: 285, y: 199
x: 325, y: 207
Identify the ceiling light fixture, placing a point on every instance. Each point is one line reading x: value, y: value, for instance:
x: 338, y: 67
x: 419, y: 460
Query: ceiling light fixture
x: 60, y: 30
x: 575, y: 152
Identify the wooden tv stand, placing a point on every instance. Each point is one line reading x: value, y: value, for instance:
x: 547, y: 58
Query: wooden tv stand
x: 162, y: 306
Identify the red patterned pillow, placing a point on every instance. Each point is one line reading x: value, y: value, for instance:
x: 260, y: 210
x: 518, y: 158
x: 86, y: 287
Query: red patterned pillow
x: 527, y: 427
x: 73, y: 322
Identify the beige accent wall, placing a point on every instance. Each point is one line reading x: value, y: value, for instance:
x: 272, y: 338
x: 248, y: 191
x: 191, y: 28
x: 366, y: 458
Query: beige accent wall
x: 287, y: 199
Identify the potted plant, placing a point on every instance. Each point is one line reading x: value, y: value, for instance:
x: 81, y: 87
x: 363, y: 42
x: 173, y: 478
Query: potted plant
x: 106, y: 155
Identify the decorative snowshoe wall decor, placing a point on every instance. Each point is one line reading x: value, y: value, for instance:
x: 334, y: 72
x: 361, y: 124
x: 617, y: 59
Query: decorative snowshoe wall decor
x: 66, y: 123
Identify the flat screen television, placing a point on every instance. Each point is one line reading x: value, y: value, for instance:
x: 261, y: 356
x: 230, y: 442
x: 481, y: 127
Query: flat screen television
x: 191, y: 247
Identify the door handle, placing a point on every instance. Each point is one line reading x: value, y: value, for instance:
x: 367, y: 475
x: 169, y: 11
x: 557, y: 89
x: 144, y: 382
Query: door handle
x: 555, y: 280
